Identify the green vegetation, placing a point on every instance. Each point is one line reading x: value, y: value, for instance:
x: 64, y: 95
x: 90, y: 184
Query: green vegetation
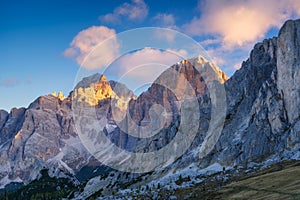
x: 182, y: 180
x: 88, y: 172
x: 45, y: 188
x: 279, y: 181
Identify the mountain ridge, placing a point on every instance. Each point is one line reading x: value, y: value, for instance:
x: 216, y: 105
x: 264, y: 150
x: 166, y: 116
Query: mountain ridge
x: 261, y: 126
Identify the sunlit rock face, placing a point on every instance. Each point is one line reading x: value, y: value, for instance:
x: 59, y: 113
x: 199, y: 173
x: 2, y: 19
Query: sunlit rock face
x: 60, y: 95
x: 93, y: 92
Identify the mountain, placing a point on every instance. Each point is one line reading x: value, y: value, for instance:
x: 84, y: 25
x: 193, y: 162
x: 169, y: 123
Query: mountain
x: 261, y: 125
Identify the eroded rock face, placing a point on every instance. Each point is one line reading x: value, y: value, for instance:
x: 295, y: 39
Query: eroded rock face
x: 262, y: 118
x: 288, y: 64
x: 3, y: 118
x: 41, y: 136
x: 253, y: 107
x: 12, y: 125
x: 44, y: 135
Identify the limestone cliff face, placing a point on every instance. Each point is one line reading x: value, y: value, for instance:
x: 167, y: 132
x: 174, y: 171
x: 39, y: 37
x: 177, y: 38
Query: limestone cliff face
x: 288, y: 63
x: 262, y: 117
x: 11, y: 123
x: 3, y: 118
x: 40, y: 136
x: 169, y: 90
x: 44, y: 135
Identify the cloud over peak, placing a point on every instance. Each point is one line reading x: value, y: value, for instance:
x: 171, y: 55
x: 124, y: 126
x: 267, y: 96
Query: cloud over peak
x: 84, y: 44
x: 239, y: 23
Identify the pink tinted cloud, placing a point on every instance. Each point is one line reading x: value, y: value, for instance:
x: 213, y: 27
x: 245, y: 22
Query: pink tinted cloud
x: 94, y: 47
x: 10, y: 82
x: 238, y: 23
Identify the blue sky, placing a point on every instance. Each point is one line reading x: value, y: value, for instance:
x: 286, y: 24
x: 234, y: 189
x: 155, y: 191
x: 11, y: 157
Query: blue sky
x: 35, y: 35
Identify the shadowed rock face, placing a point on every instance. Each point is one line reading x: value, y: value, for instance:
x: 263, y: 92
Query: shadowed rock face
x: 288, y: 63
x: 263, y: 103
x: 262, y: 119
x: 3, y: 118
x: 11, y: 123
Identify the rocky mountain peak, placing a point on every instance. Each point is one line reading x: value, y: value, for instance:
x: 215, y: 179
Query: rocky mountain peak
x: 96, y: 88
x: 93, y: 90
x: 60, y: 95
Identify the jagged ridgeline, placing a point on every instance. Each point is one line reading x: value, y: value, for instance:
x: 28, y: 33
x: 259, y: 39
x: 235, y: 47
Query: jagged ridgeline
x: 261, y: 126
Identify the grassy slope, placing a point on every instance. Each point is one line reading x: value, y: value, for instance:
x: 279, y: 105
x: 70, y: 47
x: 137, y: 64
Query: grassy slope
x: 280, y: 181
x: 284, y: 184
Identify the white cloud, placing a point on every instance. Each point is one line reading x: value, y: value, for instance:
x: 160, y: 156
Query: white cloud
x: 135, y: 11
x: 165, y: 35
x: 216, y: 57
x: 208, y: 42
x: 146, y: 64
x: 238, y: 23
x: 165, y: 20
x: 92, y: 50
x: 234, y: 26
x: 84, y: 43
x: 70, y: 52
